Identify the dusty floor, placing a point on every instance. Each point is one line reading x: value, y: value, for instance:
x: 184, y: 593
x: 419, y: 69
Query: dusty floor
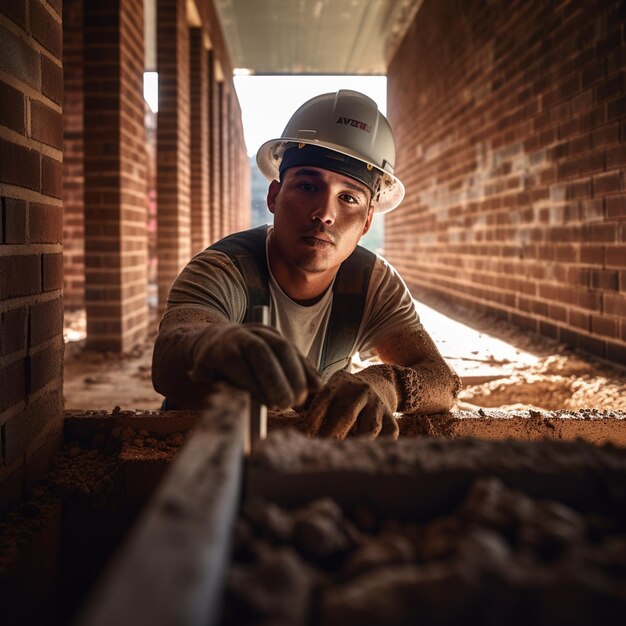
x: 513, y: 369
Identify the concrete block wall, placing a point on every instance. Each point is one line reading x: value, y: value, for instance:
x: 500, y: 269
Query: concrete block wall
x: 511, y: 125
x: 31, y: 231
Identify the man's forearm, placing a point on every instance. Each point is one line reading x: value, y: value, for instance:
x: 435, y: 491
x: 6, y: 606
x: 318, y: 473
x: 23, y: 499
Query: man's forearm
x: 171, y: 363
x: 427, y: 387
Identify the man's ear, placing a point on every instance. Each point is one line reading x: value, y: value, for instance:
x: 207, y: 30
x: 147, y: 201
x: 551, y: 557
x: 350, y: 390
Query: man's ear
x: 272, y: 192
x: 368, y: 221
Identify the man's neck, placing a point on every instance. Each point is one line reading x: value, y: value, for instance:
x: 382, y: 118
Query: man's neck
x: 305, y: 288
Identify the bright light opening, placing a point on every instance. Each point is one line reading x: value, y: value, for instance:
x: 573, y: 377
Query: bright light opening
x: 151, y: 90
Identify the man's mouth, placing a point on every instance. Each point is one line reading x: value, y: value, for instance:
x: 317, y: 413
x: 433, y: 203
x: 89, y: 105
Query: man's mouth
x: 317, y: 238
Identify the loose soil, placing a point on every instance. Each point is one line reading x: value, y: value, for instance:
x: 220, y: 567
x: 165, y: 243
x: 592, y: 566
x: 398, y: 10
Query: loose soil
x: 561, y: 378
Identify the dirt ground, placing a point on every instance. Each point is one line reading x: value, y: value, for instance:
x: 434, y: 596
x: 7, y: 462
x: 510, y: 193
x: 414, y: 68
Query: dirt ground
x: 550, y: 377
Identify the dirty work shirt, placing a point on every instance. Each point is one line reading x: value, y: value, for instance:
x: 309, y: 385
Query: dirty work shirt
x: 211, y: 280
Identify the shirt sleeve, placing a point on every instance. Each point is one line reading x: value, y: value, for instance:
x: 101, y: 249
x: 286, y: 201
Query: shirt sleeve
x: 389, y: 307
x: 210, y: 280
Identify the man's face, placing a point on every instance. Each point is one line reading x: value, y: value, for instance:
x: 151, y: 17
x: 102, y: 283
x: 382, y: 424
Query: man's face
x: 319, y: 217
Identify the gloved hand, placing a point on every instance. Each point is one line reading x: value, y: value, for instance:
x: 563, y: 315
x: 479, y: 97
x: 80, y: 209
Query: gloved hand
x: 257, y: 358
x: 360, y: 404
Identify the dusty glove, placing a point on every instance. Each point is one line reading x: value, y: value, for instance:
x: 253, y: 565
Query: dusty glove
x: 360, y: 404
x: 256, y: 358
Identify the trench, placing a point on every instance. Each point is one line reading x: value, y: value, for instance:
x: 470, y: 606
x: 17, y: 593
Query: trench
x: 504, y: 517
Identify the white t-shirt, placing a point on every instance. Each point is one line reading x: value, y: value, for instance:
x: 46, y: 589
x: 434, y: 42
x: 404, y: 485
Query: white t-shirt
x: 212, y: 280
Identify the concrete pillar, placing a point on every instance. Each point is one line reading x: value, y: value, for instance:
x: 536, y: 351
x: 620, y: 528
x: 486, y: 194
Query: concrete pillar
x: 73, y: 175
x: 115, y: 175
x: 199, y: 163
x: 173, y: 176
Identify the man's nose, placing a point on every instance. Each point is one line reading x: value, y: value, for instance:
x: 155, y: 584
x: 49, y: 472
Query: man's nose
x: 325, y: 209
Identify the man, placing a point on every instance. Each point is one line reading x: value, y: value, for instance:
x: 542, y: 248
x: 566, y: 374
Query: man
x: 329, y: 299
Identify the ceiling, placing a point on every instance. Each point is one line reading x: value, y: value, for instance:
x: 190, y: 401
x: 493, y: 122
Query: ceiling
x: 314, y: 36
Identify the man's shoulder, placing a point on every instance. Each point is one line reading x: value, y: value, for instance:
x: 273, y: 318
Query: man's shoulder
x: 251, y: 241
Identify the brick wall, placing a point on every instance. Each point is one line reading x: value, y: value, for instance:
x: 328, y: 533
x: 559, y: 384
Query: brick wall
x: 214, y: 151
x: 199, y: 120
x: 511, y: 125
x: 31, y: 230
x: 173, y: 181
x: 73, y: 174
x: 115, y: 175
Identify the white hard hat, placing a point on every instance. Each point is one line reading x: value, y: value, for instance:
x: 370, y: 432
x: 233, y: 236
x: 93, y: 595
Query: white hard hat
x: 348, y: 123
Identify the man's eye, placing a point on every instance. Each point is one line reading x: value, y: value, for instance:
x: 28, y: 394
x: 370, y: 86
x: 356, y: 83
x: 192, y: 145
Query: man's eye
x: 306, y: 186
x: 346, y: 197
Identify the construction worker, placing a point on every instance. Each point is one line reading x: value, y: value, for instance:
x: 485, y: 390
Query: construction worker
x: 329, y: 298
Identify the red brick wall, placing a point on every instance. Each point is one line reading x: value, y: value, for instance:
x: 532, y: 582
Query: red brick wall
x: 173, y: 227
x: 115, y: 175
x: 511, y: 125
x: 31, y: 230
x: 73, y: 174
x: 199, y: 119
x: 214, y: 152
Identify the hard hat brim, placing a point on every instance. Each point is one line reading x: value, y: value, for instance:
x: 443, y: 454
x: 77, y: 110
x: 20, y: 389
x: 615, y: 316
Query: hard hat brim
x: 270, y: 154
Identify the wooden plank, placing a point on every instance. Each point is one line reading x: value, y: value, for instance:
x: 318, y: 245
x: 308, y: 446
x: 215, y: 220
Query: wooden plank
x: 171, y: 570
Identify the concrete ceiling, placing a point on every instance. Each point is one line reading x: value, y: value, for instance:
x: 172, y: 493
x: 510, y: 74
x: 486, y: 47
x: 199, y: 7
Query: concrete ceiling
x: 314, y: 36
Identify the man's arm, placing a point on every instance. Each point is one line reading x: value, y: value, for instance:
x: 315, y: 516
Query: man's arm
x: 414, y: 378
x: 197, y: 348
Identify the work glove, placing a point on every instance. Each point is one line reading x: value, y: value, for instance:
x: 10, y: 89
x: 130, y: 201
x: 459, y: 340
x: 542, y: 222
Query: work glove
x: 256, y: 358
x: 359, y: 404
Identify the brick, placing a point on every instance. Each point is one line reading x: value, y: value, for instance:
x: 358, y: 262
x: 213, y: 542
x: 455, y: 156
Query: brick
x: 20, y: 276
x: 616, y: 108
x: 610, y: 88
x: 16, y: 10
x: 22, y: 430
x: 47, y: 443
x: 615, y: 304
x: 615, y: 256
x: 616, y: 156
x: 19, y: 59
x: 20, y: 166
x: 592, y: 254
x: 52, y: 271
x: 51, y: 80
x: 45, y: 28
x: 46, y: 124
x: 45, y: 321
x: 43, y: 367
x: 616, y: 352
x: 600, y: 233
x: 607, y: 183
x: 579, y: 319
x: 51, y: 177
x: 12, y: 384
x: 615, y: 207
x: 14, y: 221
x: 12, y: 331
x: 12, y: 109
x: 605, y: 279
x: 606, y: 135
x: 45, y: 223
x: 592, y: 345
x: 604, y: 326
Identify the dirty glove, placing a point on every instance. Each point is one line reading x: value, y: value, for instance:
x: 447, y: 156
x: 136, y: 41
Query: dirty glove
x: 257, y: 358
x: 360, y: 404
